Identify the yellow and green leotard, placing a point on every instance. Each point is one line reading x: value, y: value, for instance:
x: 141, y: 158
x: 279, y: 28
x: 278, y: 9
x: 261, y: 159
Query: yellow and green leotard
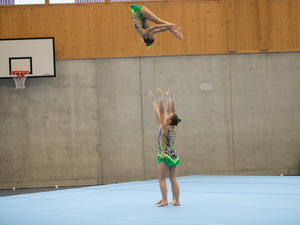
x: 139, y: 21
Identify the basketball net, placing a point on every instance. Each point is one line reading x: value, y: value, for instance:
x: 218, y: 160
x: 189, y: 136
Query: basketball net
x: 19, y: 78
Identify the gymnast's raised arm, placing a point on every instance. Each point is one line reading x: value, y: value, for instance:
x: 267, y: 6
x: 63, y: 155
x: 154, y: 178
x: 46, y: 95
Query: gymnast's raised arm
x: 171, y: 96
x: 155, y: 108
x: 171, y: 103
x: 161, y: 108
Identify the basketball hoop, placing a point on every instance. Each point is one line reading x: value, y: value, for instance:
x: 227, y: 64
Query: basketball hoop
x: 19, y: 77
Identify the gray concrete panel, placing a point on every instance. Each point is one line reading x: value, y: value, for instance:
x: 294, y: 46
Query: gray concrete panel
x: 62, y: 123
x: 265, y: 99
x: 120, y: 119
x: 203, y: 139
x: 13, y: 134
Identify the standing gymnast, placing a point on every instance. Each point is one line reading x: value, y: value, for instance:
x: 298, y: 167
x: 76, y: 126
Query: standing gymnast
x: 167, y: 158
x: 140, y: 16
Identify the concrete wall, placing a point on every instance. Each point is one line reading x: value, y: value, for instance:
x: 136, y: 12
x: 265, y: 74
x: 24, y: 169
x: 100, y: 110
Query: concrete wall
x: 94, y: 123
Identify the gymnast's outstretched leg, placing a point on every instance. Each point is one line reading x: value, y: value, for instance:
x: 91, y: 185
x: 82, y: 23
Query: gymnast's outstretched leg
x: 153, y: 18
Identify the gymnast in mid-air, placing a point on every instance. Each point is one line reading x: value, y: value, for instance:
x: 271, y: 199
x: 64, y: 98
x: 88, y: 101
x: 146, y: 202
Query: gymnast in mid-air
x: 140, y: 16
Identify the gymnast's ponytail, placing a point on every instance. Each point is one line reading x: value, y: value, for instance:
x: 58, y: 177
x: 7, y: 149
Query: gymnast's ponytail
x: 148, y: 41
x: 175, y: 120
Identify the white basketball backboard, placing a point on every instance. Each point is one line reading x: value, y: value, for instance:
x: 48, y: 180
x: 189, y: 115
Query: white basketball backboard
x: 36, y: 55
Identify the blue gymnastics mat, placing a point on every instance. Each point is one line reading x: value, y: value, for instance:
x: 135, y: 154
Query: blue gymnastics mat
x: 207, y: 200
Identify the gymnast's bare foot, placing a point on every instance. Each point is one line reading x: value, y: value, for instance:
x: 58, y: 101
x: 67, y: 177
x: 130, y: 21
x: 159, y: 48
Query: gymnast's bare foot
x: 175, y: 203
x: 162, y: 203
x: 178, y: 31
x: 159, y: 202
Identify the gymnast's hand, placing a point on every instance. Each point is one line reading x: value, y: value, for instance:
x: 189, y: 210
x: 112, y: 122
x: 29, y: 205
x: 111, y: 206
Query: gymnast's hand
x: 167, y: 93
x: 170, y: 92
x: 159, y: 91
x: 151, y: 95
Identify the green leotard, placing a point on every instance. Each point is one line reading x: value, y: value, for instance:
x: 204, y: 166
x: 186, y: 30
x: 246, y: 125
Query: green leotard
x: 135, y: 8
x: 171, y: 157
x: 139, y: 21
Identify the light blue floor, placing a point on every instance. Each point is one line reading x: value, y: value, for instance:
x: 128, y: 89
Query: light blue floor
x: 209, y: 200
